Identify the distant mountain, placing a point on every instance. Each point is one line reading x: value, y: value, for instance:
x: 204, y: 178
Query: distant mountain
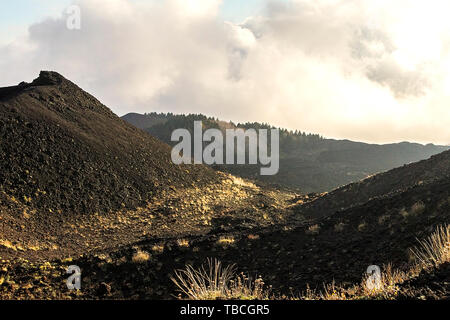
x: 308, y: 161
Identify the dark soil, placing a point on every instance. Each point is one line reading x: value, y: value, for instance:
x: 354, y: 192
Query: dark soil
x: 429, y: 285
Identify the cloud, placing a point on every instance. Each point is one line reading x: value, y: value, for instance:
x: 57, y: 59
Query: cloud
x: 363, y: 70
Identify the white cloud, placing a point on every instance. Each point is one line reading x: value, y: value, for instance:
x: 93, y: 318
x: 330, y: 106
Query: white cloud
x: 366, y: 70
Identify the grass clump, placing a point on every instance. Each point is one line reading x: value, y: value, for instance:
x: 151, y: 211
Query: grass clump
x: 385, y: 287
x: 140, y: 256
x: 158, y: 248
x: 435, y: 250
x: 183, y: 243
x: 226, y: 241
x: 218, y: 282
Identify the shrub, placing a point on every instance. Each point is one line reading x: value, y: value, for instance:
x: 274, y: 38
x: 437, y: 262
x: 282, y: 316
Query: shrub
x: 404, y: 213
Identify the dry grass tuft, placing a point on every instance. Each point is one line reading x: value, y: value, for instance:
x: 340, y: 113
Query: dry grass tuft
x: 226, y: 241
x: 383, y: 219
x: 140, y: 257
x: 387, y: 286
x: 216, y: 282
x: 183, y: 243
x: 158, y: 248
x: 434, y: 250
x: 7, y: 244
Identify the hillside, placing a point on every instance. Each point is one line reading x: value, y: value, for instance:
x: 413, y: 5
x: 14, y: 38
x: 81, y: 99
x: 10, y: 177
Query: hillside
x: 308, y: 162
x: 289, y: 257
x: 75, y: 178
x: 312, y: 252
x: 62, y: 150
x: 379, y: 186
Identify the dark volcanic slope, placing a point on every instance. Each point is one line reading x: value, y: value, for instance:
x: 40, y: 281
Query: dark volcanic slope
x: 61, y: 149
x: 385, y: 184
x: 340, y: 247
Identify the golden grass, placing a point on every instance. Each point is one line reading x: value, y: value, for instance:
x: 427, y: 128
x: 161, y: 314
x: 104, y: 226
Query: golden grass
x: 226, y: 240
x: 218, y: 282
x: 385, y: 288
x: 158, y: 248
x: 7, y: 244
x: 140, y: 256
x: 183, y: 243
x: 434, y: 250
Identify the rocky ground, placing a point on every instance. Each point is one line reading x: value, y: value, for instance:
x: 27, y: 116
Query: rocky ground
x: 288, y: 252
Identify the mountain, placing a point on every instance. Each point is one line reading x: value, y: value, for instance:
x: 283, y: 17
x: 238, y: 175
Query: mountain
x: 62, y: 150
x: 76, y: 179
x: 308, y: 162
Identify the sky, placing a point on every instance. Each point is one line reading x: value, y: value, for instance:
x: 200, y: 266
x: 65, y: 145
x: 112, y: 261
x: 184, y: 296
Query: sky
x: 16, y: 16
x: 368, y: 70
